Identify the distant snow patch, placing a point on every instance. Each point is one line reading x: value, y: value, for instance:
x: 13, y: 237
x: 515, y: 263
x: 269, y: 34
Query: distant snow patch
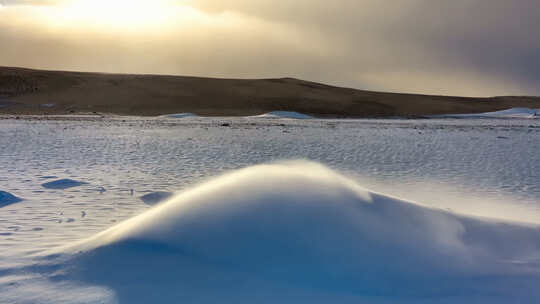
x: 516, y: 112
x: 510, y: 113
x: 284, y: 114
x: 63, y: 184
x: 179, y: 115
x: 155, y: 197
x: 7, y: 198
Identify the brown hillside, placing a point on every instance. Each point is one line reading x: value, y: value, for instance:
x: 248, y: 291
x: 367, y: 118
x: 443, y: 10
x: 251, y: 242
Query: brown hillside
x: 25, y: 91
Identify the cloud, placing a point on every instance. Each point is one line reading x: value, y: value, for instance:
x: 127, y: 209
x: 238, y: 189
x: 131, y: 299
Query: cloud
x: 462, y: 47
x: 29, y: 2
x: 422, y: 37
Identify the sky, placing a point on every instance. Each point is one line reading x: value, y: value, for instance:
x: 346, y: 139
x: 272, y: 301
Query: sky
x: 458, y: 47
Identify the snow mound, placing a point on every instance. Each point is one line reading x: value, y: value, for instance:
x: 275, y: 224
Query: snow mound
x: 516, y: 112
x: 7, y: 198
x: 63, y: 184
x: 510, y: 113
x: 300, y: 232
x: 155, y: 197
x: 179, y: 115
x: 284, y: 114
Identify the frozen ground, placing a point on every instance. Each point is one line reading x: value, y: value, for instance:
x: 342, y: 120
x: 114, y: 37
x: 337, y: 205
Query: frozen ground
x: 487, y: 168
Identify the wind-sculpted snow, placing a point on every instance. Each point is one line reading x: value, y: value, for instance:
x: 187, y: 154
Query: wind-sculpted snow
x: 300, y: 232
x: 7, y: 198
x: 284, y: 114
x: 154, y: 198
x: 509, y: 113
x: 63, y: 184
x: 516, y: 113
x: 179, y: 115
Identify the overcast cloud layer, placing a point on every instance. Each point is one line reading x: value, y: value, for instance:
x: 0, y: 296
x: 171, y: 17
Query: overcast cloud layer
x: 458, y: 47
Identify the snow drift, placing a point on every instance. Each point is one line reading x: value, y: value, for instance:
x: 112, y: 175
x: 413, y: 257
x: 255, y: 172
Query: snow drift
x: 300, y: 232
x: 283, y: 114
x: 179, y: 115
x: 153, y: 198
x: 63, y: 184
x: 509, y: 113
x: 7, y: 198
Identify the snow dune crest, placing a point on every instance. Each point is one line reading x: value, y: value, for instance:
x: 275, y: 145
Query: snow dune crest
x: 298, y: 231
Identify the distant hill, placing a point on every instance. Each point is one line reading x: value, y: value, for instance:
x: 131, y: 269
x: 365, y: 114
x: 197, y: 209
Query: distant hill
x: 26, y: 91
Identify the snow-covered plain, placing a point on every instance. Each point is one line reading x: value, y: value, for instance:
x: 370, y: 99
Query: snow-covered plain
x: 288, y: 232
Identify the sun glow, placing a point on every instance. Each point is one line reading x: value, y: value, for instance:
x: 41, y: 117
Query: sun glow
x: 125, y: 14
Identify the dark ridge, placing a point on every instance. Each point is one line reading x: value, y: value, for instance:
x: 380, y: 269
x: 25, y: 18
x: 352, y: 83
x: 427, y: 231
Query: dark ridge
x: 26, y: 91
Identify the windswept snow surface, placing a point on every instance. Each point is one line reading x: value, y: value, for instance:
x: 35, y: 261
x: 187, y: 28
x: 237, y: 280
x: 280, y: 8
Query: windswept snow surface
x: 471, y: 236
x: 284, y: 114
